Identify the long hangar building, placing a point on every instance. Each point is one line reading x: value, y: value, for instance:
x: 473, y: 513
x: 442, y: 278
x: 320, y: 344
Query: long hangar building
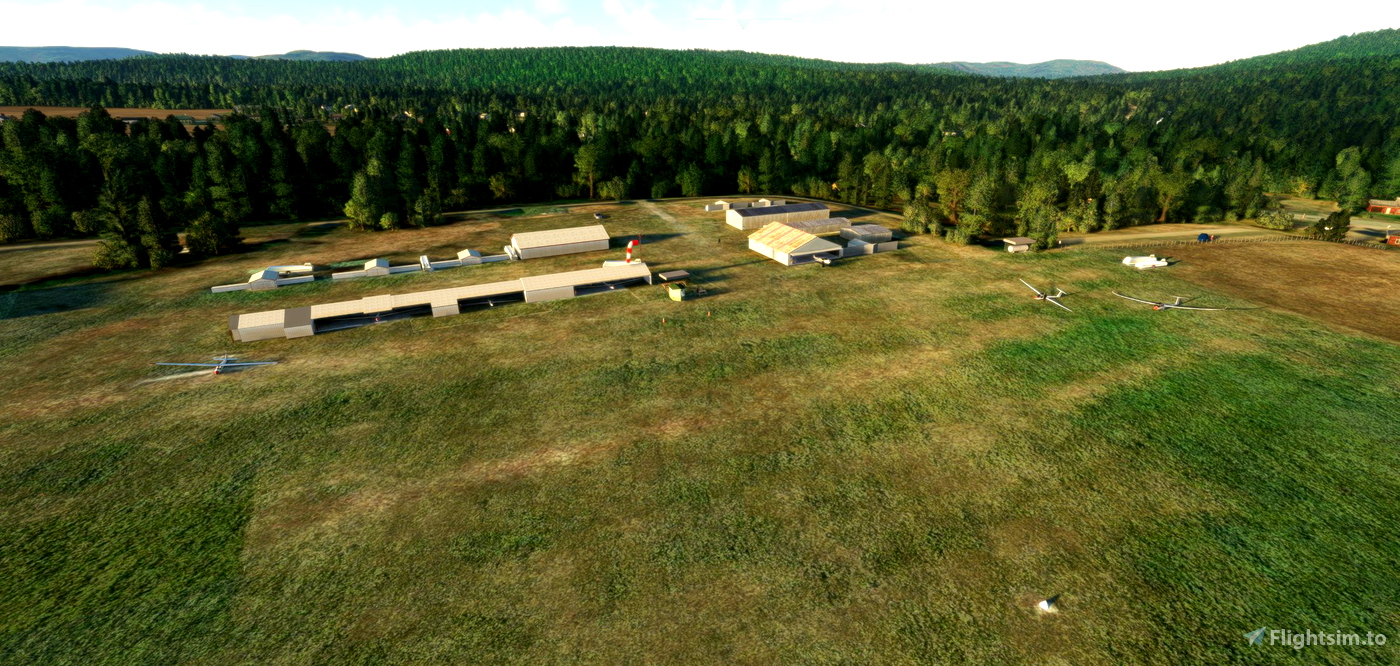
x: 310, y: 320
x: 748, y: 219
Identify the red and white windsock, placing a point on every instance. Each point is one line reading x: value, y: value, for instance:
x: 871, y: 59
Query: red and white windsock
x: 630, y: 244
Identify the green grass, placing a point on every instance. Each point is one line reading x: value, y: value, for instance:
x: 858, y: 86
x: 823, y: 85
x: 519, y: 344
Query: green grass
x: 885, y: 462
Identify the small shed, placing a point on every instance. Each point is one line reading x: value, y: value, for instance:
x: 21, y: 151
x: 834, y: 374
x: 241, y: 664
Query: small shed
x: 271, y: 277
x: 376, y: 267
x: 1018, y: 244
x: 554, y: 242
x: 672, y: 276
x: 856, y: 247
x: 263, y: 280
x: 869, y: 233
x: 747, y: 219
x: 790, y: 246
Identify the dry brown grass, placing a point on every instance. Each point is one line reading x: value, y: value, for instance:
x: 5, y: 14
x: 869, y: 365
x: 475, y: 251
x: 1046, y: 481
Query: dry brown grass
x: 1340, y: 285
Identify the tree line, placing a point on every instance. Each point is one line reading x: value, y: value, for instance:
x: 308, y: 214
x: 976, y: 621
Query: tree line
x: 395, y: 142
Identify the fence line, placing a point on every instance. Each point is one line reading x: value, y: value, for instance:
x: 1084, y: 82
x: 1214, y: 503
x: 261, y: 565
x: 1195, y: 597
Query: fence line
x: 1222, y: 241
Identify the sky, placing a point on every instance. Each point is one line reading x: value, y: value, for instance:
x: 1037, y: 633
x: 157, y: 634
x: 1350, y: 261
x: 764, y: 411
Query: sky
x: 1137, y: 36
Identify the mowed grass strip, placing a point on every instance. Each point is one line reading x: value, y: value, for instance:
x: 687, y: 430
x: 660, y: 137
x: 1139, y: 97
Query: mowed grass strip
x: 867, y: 463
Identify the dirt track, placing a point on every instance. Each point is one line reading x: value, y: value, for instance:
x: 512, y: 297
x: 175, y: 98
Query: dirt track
x: 1358, y: 288
x: 1152, y: 232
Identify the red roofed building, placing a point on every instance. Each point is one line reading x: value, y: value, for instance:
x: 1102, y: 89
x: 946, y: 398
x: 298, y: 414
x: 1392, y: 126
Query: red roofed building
x: 1384, y: 207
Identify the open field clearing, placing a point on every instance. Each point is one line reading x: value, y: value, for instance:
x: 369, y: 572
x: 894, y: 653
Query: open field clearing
x: 1294, y: 204
x: 890, y: 460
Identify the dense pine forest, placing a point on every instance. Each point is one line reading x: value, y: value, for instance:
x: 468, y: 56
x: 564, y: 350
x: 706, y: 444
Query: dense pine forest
x: 394, y: 142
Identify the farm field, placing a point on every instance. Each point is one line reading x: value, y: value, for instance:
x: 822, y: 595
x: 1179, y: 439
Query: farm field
x: 889, y: 460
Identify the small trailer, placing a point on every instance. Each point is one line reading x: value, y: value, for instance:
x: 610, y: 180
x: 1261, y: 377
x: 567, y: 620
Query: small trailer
x: 676, y: 287
x: 1149, y: 261
x: 1018, y: 244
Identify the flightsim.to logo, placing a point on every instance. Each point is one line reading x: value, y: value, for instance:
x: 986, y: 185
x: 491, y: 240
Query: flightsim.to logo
x: 1298, y: 641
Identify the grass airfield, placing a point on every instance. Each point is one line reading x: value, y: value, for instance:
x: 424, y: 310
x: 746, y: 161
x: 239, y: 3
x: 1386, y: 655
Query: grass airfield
x: 889, y: 460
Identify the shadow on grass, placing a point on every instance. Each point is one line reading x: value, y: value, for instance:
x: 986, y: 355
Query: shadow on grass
x: 86, y: 271
x: 712, y: 274
x: 246, y: 247
x: 317, y: 229
x: 647, y: 239
x: 46, y: 245
x: 20, y: 303
x: 911, y: 257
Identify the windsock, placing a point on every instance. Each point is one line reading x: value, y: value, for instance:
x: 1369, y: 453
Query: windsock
x: 630, y: 244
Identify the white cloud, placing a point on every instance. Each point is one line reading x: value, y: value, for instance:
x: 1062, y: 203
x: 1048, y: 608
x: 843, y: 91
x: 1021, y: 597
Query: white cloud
x: 550, y: 7
x: 640, y: 24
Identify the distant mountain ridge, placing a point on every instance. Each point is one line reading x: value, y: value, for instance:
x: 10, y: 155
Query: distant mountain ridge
x: 84, y: 53
x: 1050, y: 69
x: 310, y: 56
x: 1378, y: 43
x: 66, y: 53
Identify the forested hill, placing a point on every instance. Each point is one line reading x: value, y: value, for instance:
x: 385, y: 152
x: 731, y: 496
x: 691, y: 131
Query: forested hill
x: 1360, y: 45
x: 420, y: 133
x: 1373, y: 46
x: 211, y: 81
